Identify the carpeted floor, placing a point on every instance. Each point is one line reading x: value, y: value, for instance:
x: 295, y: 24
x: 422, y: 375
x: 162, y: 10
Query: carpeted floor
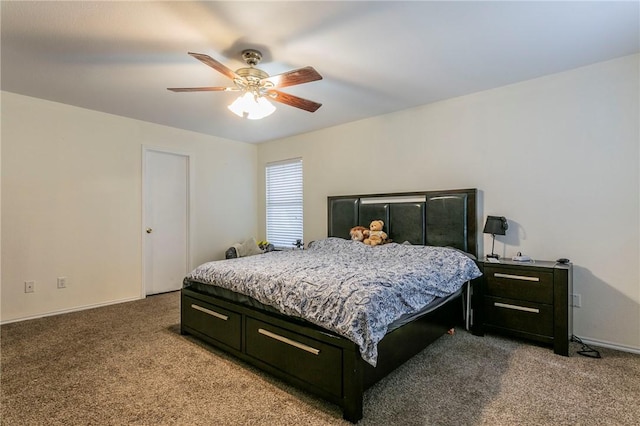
x: 127, y: 364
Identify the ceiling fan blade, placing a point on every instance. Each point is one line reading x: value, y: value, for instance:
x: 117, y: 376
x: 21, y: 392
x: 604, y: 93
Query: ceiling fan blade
x: 203, y: 89
x: 293, y: 101
x: 208, y: 60
x: 291, y: 78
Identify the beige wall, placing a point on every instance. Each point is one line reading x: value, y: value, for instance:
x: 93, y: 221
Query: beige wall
x: 558, y: 156
x: 72, y: 203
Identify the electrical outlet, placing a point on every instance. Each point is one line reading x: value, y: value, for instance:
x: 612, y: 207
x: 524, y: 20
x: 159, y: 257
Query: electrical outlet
x: 576, y: 300
x: 29, y: 286
x: 62, y: 282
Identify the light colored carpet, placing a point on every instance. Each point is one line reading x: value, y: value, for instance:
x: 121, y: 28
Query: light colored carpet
x: 127, y: 364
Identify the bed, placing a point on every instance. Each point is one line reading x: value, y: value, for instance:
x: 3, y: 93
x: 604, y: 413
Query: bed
x: 273, y: 330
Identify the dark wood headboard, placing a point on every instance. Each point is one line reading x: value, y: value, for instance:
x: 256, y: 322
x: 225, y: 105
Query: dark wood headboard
x: 435, y: 218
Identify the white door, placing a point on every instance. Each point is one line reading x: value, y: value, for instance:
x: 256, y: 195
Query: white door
x: 166, y: 220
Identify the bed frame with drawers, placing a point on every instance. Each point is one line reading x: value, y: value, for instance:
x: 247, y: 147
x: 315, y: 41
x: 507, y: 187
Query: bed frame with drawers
x: 318, y: 360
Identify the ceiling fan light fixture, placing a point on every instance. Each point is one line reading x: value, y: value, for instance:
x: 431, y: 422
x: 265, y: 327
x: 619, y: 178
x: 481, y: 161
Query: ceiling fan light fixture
x: 251, y: 106
x: 257, y: 86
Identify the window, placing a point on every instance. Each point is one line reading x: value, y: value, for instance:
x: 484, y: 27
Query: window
x: 284, y: 202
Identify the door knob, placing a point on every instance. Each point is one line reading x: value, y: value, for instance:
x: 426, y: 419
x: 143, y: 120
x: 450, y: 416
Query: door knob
x: 149, y: 230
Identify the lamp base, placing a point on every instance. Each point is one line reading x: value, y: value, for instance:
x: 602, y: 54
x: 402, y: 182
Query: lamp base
x: 493, y: 256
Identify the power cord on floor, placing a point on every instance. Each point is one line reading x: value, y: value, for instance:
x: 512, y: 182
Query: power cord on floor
x: 586, y: 349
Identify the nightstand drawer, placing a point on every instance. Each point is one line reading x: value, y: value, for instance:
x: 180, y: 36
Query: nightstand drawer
x: 535, y: 318
x: 520, y: 284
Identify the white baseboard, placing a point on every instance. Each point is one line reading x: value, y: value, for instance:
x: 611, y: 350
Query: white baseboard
x: 610, y: 345
x: 66, y: 311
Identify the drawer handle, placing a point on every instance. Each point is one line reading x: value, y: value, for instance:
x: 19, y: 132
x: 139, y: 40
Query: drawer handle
x: 516, y: 307
x: 210, y: 312
x: 516, y: 277
x: 289, y: 341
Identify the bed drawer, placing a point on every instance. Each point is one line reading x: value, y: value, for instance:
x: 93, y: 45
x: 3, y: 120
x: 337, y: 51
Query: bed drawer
x: 527, y: 317
x: 307, y: 359
x: 217, y: 323
x: 522, y: 284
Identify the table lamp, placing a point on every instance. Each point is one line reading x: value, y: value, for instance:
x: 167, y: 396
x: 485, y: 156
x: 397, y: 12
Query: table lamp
x: 495, y: 225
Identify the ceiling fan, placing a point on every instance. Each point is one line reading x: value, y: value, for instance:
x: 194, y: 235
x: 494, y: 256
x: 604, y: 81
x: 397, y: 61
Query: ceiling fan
x: 257, y: 85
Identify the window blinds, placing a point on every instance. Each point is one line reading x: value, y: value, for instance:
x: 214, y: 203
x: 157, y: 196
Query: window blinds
x: 284, y: 202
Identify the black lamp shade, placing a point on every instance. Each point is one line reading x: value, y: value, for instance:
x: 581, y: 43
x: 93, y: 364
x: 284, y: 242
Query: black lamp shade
x: 496, y: 225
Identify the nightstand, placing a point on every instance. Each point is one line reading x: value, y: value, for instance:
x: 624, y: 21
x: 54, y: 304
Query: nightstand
x: 529, y: 300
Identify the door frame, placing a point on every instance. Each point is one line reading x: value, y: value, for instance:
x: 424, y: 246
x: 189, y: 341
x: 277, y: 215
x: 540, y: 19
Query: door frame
x: 189, y: 201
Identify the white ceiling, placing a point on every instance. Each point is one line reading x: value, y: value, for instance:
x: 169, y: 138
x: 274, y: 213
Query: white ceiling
x: 375, y: 57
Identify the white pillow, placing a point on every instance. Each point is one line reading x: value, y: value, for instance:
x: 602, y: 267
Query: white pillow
x: 248, y: 248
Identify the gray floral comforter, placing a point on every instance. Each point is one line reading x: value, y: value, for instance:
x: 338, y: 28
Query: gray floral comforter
x: 345, y: 286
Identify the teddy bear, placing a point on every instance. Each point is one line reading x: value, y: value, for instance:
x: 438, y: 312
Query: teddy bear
x: 376, y: 234
x: 358, y: 233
